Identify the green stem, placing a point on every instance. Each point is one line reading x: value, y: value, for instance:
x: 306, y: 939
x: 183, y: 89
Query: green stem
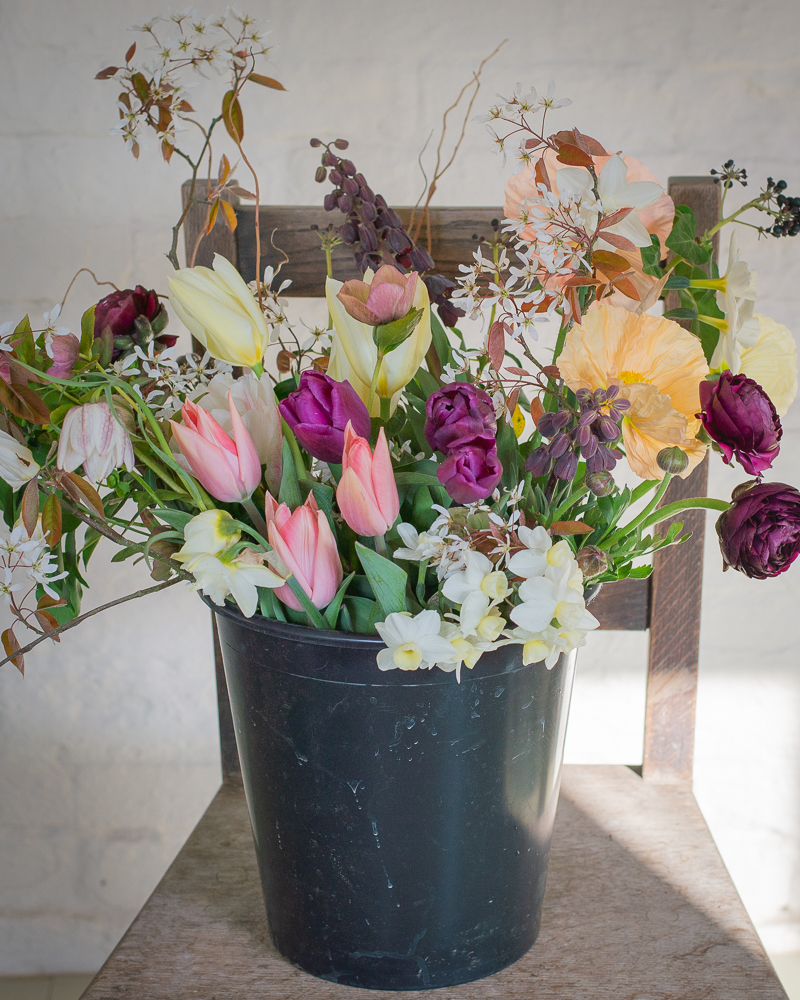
x: 294, y: 447
x: 374, y: 383
x: 385, y: 406
x: 672, y: 509
x: 256, y: 517
x: 642, y: 515
x: 380, y: 545
x: 734, y: 215
x: 258, y: 369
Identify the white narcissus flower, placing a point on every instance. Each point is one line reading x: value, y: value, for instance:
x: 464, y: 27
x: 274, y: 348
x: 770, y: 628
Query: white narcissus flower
x: 254, y: 399
x: 17, y: 466
x: 740, y: 329
x: 240, y: 577
x: 478, y: 588
x: 207, y: 534
x: 94, y: 437
x: 772, y: 363
x: 467, y: 651
x: 413, y: 643
x: 556, y: 595
x: 548, y: 644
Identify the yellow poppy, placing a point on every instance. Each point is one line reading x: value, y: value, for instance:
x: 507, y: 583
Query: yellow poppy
x: 658, y: 367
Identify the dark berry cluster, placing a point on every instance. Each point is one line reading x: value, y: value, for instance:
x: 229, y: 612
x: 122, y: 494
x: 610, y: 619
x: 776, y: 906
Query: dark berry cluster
x: 787, y: 219
x: 375, y: 231
x: 588, y: 434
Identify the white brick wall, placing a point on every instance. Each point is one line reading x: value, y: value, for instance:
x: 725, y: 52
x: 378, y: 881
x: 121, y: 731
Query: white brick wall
x: 108, y: 747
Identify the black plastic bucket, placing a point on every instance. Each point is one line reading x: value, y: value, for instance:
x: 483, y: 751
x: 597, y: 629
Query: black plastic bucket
x: 402, y: 821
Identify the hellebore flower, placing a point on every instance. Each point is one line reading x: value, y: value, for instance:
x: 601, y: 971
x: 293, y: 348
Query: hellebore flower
x: 658, y: 367
x: 470, y: 474
x: 413, y: 643
x: 94, y: 437
x: 63, y: 349
x: 132, y: 315
x: 457, y: 415
x: 219, y: 310
x: 228, y: 468
x: 319, y: 411
x: 354, y: 354
x: 254, y: 398
x: 367, y: 493
x: 739, y: 416
x: 305, y: 543
x: 388, y: 297
x: 759, y: 534
x: 17, y: 466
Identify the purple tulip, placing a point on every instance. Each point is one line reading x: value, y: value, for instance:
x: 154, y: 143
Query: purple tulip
x: 318, y: 412
x: 470, y: 474
x: 739, y: 416
x: 458, y: 415
x: 759, y: 534
x: 119, y: 313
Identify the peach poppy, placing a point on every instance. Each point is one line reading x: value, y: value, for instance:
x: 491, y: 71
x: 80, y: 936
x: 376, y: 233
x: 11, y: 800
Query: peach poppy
x: 656, y: 217
x: 657, y: 365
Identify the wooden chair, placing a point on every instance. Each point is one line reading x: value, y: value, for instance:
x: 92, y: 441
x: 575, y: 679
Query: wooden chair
x: 639, y: 905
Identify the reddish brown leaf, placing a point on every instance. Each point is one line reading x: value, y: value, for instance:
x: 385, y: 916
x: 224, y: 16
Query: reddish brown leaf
x: 496, y: 344
x: 107, y: 73
x: 230, y: 214
x: 511, y: 402
x: 130, y: 53
x: 30, y: 507
x: 620, y: 242
x: 141, y: 86
x: 186, y: 107
x: 124, y: 98
x: 266, y: 81
x: 541, y: 175
x: 570, y: 528
x: 212, y: 215
x: 536, y: 410
x: 48, y: 622
x: 284, y: 361
x: 232, y: 116
x: 579, y: 280
x: 627, y: 287
x: 24, y: 402
x: 164, y: 120
x: 573, y: 155
x: 240, y: 192
x: 10, y: 645
x: 167, y: 149
x: 614, y: 218
x: 517, y: 371
x: 551, y: 371
x: 77, y: 487
x: 610, y: 263
x: 135, y: 149
x: 46, y: 601
x: 224, y: 170
x: 51, y: 520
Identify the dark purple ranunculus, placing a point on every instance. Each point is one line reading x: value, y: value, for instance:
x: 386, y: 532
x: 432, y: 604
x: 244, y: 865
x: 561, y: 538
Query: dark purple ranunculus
x: 318, y: 412
x: 458, y: 415
x: 760, y: 533
x: 134, y: 316
x: 739, y: 416
x: 470, y: 474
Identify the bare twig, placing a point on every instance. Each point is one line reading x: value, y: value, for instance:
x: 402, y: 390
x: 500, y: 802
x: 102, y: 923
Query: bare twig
x: 89, y: 614
x: 439, y: 170
x: 96, y: 281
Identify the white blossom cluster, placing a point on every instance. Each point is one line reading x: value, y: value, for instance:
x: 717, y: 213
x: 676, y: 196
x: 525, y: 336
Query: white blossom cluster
x: 28, y: 558
x: 548, y: 610
x: 172, y: 381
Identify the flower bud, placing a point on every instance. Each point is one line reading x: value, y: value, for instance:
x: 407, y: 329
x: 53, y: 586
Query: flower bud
x: 740, y: 418
x: 672, y: 460
x: 421, y: 259
x: 592, y: 561
x: 539, y: 462
x: 600, y: 483
x: 759, y: 534
x: 134, y: 316
x: 321, y: 175
x: 470, y: 474
x: 566, y: 466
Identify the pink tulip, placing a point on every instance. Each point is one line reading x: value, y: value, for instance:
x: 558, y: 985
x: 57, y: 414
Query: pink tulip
x: 228, y: 469
x: 367, y: 492
x: 389, y: 297
x: 305, y: 542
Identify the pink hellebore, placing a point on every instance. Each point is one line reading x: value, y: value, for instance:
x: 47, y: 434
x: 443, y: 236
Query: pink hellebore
x: 305, y: 542
x: 389, y: 296
x: 367, y: 493
x: 228, y: 469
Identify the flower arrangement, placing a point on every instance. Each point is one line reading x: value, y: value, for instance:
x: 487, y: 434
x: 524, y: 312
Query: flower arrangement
x: 382, y: 476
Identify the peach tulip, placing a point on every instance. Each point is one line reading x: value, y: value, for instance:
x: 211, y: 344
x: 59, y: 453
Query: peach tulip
x: 305, y: 543
x: 229, y: 469
x: 367, y: 493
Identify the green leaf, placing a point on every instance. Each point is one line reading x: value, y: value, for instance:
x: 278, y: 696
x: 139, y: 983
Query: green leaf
x: 441, y: 342
x: 391, y: 335
x: 681, y: 313
x: 23, y: 342
x: 676, y: 281
x: 388, y: 580
x: 415, y: 479
x: 232, y: 116
x: 87, y: 332
x: 289, y: 492
x: 124, y: 554
x: 177, y: 519
x: 323, y: 494
x: 682, y: 238
x: 314, y: 617
x: 424, y: 514
x: 651, y: 258
x: 359, y: 611
x: 426, y: 382
x: 332, y: 610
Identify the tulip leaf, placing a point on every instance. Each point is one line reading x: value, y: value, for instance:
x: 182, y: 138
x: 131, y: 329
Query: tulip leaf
x: 356, y: 613
x: 177, y: 519
x: 332, y: 611
x: 391, y: 335
x: 441, y: 344
x: 415, y: 479
x: 682, y: 238
x: 323, y: 494
x: 289, y: 492
x: 315, y: 619
x: 387, y: 579
x: 427, y: 383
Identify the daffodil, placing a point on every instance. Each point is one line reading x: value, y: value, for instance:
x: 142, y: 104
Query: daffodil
x: 354, y: 354
x: 413, y: 643
x: 658, y: 367
x: 478, y: 588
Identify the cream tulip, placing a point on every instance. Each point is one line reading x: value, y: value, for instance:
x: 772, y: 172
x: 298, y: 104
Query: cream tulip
x: 219, y: 310
x: 354, y: 354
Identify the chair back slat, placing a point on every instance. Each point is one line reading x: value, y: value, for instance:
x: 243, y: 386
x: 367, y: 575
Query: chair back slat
x: 668, y: 603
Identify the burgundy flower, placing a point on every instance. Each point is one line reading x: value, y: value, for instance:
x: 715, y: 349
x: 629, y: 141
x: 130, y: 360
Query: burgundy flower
x: 760, y: 533
x: 134, y: 316
x: 470, y: 474
x: 739, y: 416
x: 318, y: 411
x: 458, y: 415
